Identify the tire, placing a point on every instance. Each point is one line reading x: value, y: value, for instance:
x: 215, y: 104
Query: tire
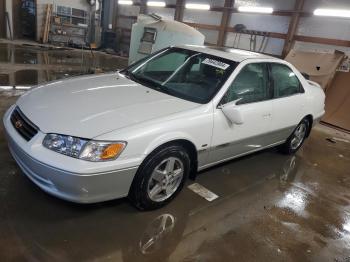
x: 297, y: 138
x: 165, y: 170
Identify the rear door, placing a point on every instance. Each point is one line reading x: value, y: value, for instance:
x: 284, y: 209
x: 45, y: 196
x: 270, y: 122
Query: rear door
x: 288, y: 100
x: 251, y: 85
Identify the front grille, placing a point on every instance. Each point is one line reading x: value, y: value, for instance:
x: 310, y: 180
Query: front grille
x: 23, y: 125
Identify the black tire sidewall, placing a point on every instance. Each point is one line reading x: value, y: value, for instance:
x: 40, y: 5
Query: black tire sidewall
x: 288, y: 145
x: 138, y: 193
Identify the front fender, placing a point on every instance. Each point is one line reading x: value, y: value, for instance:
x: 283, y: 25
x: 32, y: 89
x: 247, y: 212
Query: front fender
x: 166, y: 138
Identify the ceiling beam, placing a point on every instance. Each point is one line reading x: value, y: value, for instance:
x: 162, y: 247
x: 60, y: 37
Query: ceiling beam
x: 225, y: 21
x: 293, y: 26
x: 321, y: 40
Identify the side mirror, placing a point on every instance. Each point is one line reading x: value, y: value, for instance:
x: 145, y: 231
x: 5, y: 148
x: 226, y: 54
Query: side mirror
x: 233, y: 112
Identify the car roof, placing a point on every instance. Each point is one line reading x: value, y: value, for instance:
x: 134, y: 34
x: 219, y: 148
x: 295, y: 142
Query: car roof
x: 237, y: 55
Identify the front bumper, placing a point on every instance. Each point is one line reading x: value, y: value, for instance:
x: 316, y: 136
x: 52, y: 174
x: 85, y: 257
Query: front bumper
x: 87, y: 186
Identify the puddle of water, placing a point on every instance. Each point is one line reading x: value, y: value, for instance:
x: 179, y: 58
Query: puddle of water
x: 50, y: 64
x: 34, y: 77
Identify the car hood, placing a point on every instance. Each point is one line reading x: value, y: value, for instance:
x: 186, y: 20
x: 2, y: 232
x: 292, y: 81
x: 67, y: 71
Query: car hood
x: 93, y: 105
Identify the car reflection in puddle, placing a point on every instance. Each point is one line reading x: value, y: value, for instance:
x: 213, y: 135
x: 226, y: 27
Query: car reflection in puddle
x: 116, y: 230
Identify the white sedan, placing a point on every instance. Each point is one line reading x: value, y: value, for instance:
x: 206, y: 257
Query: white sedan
x: 141, y: 132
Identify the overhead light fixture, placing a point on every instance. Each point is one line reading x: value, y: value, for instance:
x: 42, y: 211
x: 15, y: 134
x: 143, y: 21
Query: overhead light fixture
x: 125, y: 2
x: 255, y: 9
x: 157, y: 4
x: 332, y: 12
x: 197, y: 6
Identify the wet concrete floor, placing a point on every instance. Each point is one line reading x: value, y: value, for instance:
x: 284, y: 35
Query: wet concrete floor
x: 271, y: 207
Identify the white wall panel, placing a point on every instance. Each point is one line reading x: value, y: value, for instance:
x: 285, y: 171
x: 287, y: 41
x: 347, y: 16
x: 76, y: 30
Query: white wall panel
x: 274, y: 45
x: 202, y: 17
x: 311, y: 5
x: 276, y: 4
x: 271, y: 23
x: 128, y: 10
x: 167, y: 13
x: 209, y: 2
x: 312, y: 47
x: 326, y: 27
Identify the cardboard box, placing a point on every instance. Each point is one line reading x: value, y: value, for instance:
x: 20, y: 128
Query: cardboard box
x: 321, y: 67
x: 338, y: 102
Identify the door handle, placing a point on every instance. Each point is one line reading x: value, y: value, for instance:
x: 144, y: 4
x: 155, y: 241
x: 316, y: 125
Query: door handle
x: 266, y: 115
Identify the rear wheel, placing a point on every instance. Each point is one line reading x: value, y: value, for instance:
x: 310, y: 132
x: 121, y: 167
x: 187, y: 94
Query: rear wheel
x: 160, y: 177
x: 297, y: 138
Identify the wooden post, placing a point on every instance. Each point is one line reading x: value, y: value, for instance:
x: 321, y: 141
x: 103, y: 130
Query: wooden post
x: 179, y: 10
x: 293, y: 26
x: 47, y: 24
x: 225, y: 20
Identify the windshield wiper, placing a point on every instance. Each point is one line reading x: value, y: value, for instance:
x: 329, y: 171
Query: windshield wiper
x: 147, y: 82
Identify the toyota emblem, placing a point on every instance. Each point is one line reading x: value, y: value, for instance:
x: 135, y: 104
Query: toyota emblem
x: 18, y: 124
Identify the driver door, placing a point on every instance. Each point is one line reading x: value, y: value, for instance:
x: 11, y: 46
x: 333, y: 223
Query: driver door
x: 252, y: 87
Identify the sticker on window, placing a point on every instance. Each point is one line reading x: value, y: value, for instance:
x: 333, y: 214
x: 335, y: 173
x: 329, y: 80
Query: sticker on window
x: 215, y: 63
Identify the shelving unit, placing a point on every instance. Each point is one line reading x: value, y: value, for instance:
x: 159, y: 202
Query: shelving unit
x: 69, y: 26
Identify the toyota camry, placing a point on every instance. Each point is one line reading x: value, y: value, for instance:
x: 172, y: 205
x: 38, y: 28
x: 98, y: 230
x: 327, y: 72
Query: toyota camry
x: 142, y: 131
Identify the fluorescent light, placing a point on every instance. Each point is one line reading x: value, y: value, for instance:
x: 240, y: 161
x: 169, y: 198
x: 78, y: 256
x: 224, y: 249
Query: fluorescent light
x: 6, y: 87
x: 125, y: 2
x: 158, y: 4
x: 14, y: 87
x: 197, y: 6
x: 332, y: 12
x: 255, y: 9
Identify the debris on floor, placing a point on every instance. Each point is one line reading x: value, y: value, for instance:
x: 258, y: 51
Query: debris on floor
x: 331, y: 140
x: 340, y: 139
x: 203, y: 192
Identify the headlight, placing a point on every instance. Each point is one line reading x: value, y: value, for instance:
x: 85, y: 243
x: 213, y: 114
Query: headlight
x: 89, y: 150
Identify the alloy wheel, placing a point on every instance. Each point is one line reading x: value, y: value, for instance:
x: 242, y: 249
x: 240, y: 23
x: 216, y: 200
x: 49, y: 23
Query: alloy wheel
x: 298, y: 136
x: 165, y: 179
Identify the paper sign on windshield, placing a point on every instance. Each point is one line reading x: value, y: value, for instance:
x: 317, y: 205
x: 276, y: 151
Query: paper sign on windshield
x: 215, y: 63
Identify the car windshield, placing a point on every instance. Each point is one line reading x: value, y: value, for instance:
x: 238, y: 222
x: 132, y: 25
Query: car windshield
x: 183, y: 73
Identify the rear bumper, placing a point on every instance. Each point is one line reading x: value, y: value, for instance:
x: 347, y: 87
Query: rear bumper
x: 73, y: 186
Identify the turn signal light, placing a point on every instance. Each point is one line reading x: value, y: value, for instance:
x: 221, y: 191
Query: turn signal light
x: 112, y: 151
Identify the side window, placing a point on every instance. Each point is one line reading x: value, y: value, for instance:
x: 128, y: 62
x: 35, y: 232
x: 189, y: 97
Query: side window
x: 251, y: 85
x: 285, y: 82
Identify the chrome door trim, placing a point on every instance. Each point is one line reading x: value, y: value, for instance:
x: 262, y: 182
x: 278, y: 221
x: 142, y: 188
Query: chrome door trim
x: 287, y: 130
x: 239, y: 155
x: 280, y: 136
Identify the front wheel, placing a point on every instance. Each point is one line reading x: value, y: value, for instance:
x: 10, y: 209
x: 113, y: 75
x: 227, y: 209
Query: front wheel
x: 160, y: 177
x: 297, y: 138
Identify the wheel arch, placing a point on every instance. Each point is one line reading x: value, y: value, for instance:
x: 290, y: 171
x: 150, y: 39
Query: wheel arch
x: 184, y: 142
